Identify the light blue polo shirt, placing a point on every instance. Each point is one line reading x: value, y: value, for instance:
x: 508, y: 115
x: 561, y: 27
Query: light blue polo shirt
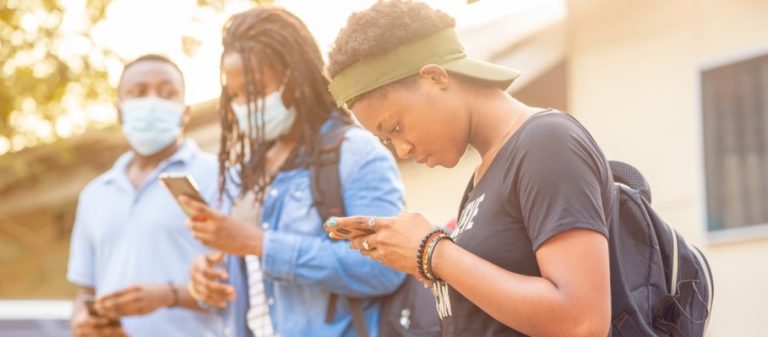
x: 124, y: 236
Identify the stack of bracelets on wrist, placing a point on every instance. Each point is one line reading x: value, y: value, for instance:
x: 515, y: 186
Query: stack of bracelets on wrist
x: 426, y: 249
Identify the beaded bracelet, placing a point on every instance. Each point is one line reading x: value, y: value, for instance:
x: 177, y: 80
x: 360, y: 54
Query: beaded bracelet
x: 430, y: 252
x: 420, y: 252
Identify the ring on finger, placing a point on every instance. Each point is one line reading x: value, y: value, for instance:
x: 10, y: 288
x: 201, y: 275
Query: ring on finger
x: 372, y: 223
x: 366, y: 246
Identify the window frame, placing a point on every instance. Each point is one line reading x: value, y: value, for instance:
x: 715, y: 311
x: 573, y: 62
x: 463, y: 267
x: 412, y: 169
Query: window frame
x: 751, y: 232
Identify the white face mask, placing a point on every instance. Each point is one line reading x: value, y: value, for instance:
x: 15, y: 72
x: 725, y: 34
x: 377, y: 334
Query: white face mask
x: 151, y: 123
x: 278, y: 119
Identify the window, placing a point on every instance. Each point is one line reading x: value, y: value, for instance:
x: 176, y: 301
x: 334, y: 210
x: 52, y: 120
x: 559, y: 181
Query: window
x: 735, y: 129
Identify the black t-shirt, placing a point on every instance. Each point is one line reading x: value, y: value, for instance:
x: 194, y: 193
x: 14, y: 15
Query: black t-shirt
x: 549, y: 177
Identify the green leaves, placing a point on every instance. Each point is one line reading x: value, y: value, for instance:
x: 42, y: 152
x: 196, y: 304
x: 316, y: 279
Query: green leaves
x: 41, y: 75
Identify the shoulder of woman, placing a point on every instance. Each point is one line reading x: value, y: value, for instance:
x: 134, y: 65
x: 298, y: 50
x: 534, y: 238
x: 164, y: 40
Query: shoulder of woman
x: 551, y: 121
x: 552, y: 129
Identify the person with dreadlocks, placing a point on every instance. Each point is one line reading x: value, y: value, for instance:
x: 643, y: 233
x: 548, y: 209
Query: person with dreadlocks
x: 282, y: 267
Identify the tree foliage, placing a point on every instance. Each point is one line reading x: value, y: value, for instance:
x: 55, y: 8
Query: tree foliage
x: 39, y: 67
x: 46, y: 64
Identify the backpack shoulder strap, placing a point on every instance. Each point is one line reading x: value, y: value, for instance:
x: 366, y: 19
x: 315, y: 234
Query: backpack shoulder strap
x: 355, y: 308
x: 327, y: 196
x: 328, y: 199
x: 358, y: 316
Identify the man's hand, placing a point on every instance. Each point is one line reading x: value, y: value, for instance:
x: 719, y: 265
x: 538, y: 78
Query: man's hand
x: 225, y: 233
x: 139, y: 299
x: 85, y: 325
x: 205, y: 280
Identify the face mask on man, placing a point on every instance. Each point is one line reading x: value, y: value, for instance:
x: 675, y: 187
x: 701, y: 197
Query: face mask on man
x: 278, y: 119
x: 151, y: 123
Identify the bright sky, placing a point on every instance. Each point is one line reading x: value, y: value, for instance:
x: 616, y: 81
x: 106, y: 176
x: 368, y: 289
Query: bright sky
x: 135, y: 27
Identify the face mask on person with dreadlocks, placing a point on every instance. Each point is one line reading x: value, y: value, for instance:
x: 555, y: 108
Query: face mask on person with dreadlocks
x: 274, y: 96
x: 276, y: 119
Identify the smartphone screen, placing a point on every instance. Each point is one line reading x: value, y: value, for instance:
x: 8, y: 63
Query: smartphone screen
x: 182, y: 184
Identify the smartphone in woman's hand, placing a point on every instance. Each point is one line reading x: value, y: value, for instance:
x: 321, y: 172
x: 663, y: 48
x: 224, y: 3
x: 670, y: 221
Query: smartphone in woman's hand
x: 344, y: 232
x: 182, y: 184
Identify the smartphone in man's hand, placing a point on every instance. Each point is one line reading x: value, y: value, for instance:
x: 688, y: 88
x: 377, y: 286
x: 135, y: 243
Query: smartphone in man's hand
x: 90, y: 306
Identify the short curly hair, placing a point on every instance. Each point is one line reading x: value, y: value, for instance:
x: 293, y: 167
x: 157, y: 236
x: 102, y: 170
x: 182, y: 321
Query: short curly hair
x: 382, y: 28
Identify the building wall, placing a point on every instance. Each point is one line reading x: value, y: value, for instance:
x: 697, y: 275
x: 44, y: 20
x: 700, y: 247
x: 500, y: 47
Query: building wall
x: 436, y: 192
x: 633, y: 81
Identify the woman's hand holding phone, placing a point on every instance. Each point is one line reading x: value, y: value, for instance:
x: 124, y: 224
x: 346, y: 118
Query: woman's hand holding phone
x: 223, y: 232
x: 394, y: 241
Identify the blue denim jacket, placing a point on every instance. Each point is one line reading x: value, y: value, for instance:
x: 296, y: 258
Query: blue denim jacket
x: 302, y: 266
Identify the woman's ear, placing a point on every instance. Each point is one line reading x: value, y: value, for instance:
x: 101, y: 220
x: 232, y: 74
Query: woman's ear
x: 435, y: 75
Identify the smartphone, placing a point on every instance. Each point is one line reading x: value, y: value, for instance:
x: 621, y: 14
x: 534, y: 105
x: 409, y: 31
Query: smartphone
x: 182, y: 184
x: 348, y: 234
x: 90, y: 305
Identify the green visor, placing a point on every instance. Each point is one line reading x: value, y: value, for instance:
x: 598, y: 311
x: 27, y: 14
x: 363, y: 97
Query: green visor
x: 443, y: 49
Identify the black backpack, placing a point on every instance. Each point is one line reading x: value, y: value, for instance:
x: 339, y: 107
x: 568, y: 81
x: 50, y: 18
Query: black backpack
x: 660, y: 285
x: 410, y: 310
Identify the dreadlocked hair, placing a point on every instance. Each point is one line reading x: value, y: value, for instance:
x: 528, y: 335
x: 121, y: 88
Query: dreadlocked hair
x: 271, y: 39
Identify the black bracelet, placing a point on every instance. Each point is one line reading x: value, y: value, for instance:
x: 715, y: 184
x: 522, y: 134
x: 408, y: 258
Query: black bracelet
x: 431, y: 252
x: 175, y: 294
x: 420, y: 252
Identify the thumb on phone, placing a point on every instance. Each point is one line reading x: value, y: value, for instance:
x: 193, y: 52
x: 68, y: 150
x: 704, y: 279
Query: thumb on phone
x: 199, y: 209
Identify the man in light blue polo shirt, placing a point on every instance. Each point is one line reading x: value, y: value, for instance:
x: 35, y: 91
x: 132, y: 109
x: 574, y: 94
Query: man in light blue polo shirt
x: 130, y: 248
